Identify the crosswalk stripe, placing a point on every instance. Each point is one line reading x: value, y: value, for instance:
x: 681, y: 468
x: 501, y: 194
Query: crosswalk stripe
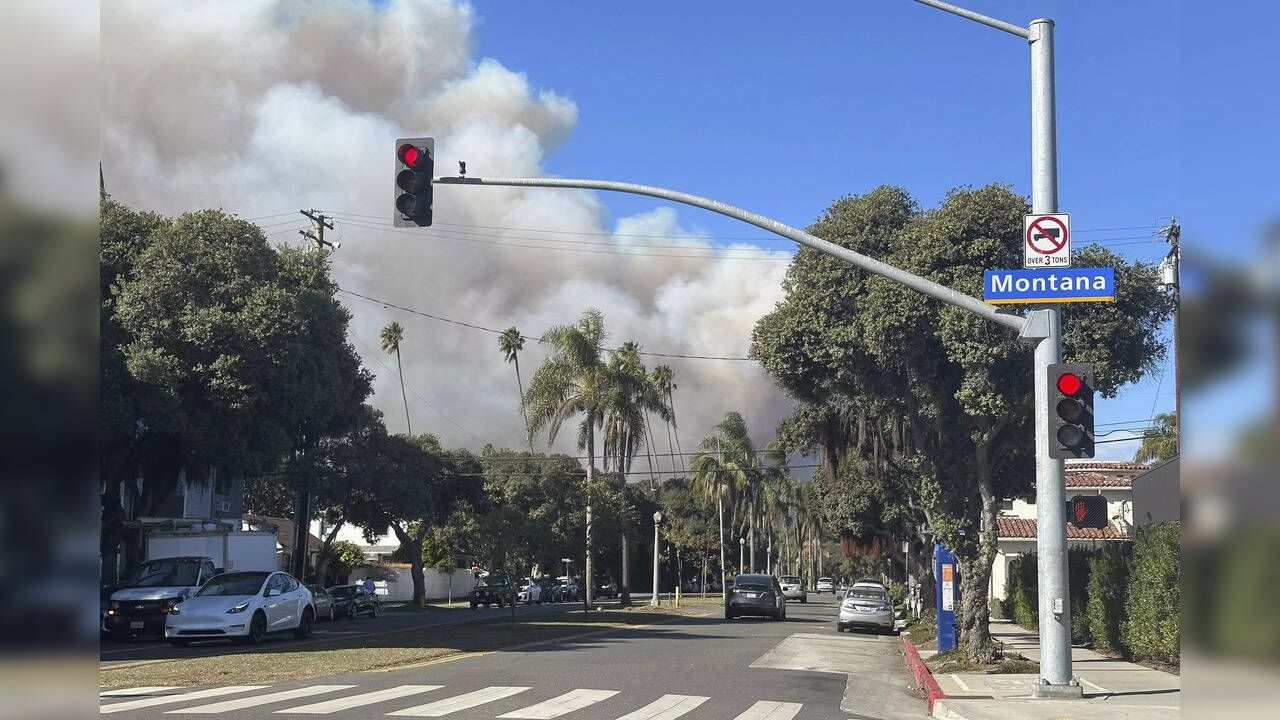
x: 369, y: 698
x: 241, y: 703
x: 149, y: 690
x: 770, y: 710
x: 667, y: 707
x: 169, y: 699
x: 465, y: 701
x: 557, y: 706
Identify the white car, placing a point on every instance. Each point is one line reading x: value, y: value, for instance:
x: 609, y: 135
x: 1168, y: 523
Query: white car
x: 793, y: 588
x: 866, y: 606
x: 244, y: 606
x: 826, y: 584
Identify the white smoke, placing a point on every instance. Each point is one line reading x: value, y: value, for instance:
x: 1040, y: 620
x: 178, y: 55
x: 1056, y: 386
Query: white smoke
x: 267, y: 106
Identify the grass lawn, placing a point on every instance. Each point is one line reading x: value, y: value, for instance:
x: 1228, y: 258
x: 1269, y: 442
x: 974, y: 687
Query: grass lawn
x: 387, y: 650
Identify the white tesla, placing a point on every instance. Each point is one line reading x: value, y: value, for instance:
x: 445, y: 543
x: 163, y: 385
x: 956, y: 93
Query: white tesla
x: 244, y: 606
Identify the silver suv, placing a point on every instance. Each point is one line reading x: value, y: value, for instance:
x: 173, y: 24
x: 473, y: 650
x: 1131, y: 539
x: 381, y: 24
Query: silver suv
x: 793, y: 588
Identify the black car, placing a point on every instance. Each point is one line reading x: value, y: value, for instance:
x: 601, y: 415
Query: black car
x: 352, y: 600
x: 755, y: 595
x: 493, y: 590
x: 550, y: 590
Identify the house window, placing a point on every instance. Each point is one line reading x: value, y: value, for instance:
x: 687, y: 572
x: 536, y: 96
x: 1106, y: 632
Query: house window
x: 1006, y: 506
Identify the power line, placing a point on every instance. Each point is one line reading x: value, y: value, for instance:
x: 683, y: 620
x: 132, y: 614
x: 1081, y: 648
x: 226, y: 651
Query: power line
x: 414, y: 391
x: 473, y: 326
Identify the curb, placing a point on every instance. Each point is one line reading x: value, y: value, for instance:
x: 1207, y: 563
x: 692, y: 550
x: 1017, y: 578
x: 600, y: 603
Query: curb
x: 924, y: 678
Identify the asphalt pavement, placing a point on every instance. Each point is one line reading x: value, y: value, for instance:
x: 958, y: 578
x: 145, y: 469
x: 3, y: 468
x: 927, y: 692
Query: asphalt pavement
x: 690, y: 668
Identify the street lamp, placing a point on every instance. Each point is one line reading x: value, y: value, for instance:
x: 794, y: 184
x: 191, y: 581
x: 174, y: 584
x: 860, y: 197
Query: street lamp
x: 657, y: 518
x: 742, y: 547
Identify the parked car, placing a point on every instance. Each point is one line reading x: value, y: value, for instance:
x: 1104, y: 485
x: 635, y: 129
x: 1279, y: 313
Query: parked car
x: 244, y: 606
x: 826, y: 584
x: 140, y: 605
x: 605, y: 587
x: 550, y: 589
x: 571, y: 588
x: 755, y: 595
x: 869, y: 582
x: 323, y: 603
x: 350, y: 601
x: 493, y: 589
x: 866, y: 606
x: 793, y: 588
x: 532, y: 591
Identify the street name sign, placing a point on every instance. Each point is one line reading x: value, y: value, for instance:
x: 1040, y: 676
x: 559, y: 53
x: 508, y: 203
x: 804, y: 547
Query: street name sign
x: 1046, y: 241
x: 1048, y: 285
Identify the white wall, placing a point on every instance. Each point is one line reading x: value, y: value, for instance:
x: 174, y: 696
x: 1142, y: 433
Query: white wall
x: 400, y: 589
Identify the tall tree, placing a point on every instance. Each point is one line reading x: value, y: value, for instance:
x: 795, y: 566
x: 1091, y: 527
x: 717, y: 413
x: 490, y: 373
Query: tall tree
x: 392, y: 335
x: 573, y: 382
x: 630, y: 397
x: 1160, y: 441
x: 664, y: 378
x: 927, y: 390
x: 725, y: 469
x: 510, y: 343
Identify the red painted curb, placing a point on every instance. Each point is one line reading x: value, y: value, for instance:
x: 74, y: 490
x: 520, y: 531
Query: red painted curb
x: 924, y: 678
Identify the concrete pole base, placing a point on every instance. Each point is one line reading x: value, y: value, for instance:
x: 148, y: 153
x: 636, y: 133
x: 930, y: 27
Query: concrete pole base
x: 1069, y: 691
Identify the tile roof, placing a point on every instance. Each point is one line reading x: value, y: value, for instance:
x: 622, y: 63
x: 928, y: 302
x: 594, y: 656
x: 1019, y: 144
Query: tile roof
x: 1078, y: 479
x: 1105, y: 465
x: 1023, y: 528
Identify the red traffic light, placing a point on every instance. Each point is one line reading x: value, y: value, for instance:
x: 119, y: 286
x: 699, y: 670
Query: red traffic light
x: 408, y: 154
x: 1069, y: 383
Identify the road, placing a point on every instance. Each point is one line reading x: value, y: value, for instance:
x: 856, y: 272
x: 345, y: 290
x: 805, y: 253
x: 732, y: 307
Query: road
x: 692, y: 668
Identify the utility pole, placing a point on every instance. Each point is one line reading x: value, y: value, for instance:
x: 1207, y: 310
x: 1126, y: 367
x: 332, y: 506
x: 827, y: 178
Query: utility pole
x: 1170, y: 271
x: 319, y: 222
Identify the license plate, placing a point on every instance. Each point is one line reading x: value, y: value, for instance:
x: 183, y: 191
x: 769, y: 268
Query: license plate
x: 750, y: 595
x: 135, y: 625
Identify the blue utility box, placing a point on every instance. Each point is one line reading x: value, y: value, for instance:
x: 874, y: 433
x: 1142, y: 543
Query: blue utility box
x: 944, y: 569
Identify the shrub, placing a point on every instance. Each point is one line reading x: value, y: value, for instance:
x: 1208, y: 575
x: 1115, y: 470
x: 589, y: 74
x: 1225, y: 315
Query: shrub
x: 1078, y: 575
x: 1022, y: 591
x: 1153, y: 604
x: 1108, y: 578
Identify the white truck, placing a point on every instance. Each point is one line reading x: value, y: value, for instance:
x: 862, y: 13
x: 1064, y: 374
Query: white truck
x: 178, y: 563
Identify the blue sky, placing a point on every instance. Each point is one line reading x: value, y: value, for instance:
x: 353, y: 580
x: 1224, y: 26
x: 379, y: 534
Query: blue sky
x: 782, y: 111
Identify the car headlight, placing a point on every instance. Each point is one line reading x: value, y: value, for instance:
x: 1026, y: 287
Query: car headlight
x: 171, y: 606
x: 239, y: 608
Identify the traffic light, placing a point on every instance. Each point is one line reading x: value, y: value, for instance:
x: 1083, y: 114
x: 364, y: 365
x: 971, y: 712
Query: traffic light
x: 1071, y: 410
x: 415, y: 162
x: 1088, y: 511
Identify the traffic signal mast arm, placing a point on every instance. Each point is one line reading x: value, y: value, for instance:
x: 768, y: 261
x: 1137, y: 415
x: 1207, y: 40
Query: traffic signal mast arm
x: 898, y: 275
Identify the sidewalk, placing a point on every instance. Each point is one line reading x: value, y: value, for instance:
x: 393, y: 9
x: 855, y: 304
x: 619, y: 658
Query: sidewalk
x: 1113, y: 689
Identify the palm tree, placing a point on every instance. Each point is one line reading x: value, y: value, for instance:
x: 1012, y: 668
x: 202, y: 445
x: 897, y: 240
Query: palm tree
x: 630, y: 397
x: 725, y: 466
x: 664, y: 378
x: 1160, y: 441
x: 572, y: 381
x: 392, y: 336
x: 510, y: 343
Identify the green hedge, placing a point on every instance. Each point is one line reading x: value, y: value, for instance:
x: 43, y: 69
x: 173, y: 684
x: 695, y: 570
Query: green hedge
x: 1153, y: 604
x: 1125, y: 597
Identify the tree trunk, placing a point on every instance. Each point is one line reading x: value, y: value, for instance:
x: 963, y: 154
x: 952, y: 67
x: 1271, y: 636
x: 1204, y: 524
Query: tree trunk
x: 702, y: 581
x: 975, y: 581
x: 323, y: 568
x: 515, y: 358
x: 751, y: 537
x: 400, y: 372
x: 671, y: 450
x: 624, y: 592
x: 588, y: 593
x: 413, y: 548
x: 671, y: 403
x: 724, y: 575
x: 648, y: 446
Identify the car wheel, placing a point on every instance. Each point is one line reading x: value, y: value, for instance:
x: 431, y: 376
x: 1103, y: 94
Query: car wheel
x: 486, y: 605
x: 804, y: 600
x: 728, y: 614
x: 473, y: 604
x: 333, y: 615
x: 303, y: 630
x: 374, y: 612
x: 257, y: 629
x: 839, y: 628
